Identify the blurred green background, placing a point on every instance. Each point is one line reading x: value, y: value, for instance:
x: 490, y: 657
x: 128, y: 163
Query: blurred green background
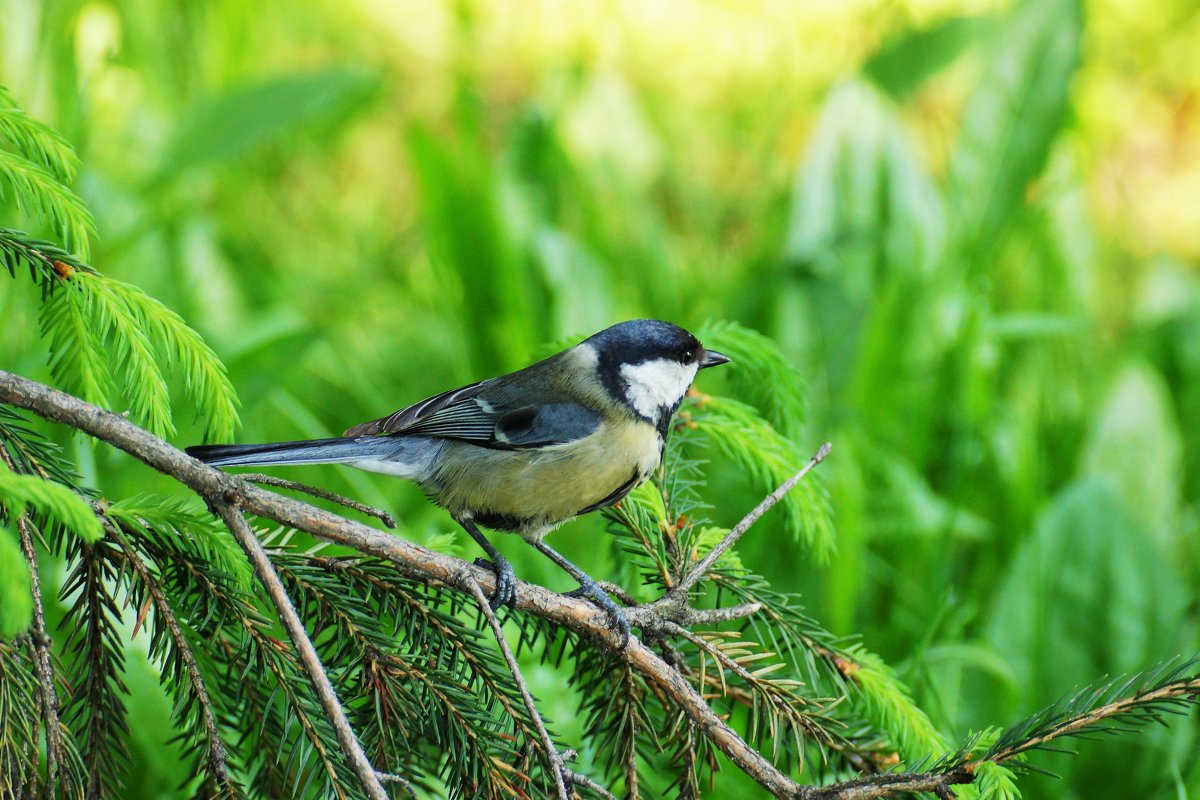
x: 974, y: 226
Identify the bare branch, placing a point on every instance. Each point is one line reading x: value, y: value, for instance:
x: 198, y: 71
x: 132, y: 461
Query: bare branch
x: 747, y: 521
x: 553, y: 759
x: 283, y: 483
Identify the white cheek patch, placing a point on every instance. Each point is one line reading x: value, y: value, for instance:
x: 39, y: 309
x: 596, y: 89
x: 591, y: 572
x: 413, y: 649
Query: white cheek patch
x: 658, y: 384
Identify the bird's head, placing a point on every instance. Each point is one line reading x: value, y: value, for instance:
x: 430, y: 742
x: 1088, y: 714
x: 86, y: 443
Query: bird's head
x: 647, y: 365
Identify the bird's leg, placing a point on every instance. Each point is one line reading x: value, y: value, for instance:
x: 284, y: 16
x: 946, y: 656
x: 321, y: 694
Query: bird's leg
x: 590, y: 589
x: 506, y: 580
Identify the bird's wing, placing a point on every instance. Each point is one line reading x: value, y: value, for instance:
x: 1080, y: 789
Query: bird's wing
x: 403, y: 419
x: 472, y: 414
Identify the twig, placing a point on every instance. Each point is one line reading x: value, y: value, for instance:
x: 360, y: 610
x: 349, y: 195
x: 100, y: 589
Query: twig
x: 283, y: 483
x: 588, y: 783
x: 309, y: 659
x: 1081, y: 722
x: 216, y: 748
x: 39, y: 642
x: 755, y: 514
x: 891, y: 783
x: 391, y: 777
x: 712, y: 616
x: 553, y: 759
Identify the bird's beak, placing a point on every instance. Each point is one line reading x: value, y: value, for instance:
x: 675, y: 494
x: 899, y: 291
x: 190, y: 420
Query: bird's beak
x: 712, y: 359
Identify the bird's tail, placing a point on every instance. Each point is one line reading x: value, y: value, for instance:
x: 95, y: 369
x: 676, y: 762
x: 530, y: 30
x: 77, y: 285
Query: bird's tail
x: 311, y: 451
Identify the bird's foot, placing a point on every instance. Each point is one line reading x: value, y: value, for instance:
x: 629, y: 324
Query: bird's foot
x: 505, y: 593
x: 617, y: 621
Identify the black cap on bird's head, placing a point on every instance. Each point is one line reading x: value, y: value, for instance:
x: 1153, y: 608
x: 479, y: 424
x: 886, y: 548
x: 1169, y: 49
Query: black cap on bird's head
x: 648, y: 365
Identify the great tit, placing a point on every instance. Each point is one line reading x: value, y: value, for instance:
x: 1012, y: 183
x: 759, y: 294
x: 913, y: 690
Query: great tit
x: 527, y: 451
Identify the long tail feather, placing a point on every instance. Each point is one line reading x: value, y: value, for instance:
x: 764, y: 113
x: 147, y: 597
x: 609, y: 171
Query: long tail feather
x: 311, y: 451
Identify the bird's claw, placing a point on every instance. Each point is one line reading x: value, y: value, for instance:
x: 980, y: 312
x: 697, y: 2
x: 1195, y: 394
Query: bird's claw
x: 505, y: 593
x: 590, y: 590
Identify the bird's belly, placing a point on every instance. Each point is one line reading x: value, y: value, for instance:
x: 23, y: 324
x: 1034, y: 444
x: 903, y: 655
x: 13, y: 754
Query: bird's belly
x: 531, y: 491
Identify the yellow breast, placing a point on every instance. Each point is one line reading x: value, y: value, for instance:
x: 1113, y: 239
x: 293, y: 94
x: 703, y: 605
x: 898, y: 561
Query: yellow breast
x: 536, y: 490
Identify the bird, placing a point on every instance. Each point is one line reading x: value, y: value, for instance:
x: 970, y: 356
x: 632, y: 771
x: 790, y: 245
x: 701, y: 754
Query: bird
x: 527, y: 451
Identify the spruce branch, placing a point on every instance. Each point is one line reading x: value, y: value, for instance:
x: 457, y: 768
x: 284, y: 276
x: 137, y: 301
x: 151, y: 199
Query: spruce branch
x: 88, y: 317
x: 229, y: 496
x: 18, y: 724
x: 1140, y: 698
x: 35, y: 140
x: 96, y: 707
x: 444, y: 660
x: 37, y: 191
x: 216, y: 760
x: 1135, y: 699
x: 39, y: 642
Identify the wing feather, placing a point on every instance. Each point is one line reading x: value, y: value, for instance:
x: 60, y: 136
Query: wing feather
x: 470, y: 414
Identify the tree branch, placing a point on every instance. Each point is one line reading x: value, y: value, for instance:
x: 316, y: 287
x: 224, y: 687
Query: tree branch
x: 230, y: 496
x: 283, y: 483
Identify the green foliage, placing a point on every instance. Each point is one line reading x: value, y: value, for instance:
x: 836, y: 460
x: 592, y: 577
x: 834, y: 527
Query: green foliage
x: 903, y: 65
x: 229, y: 126
x: 763, y: 376
x: 740, y: 432
x: 100, y: 328
x: 34, y: 172
x: 16, y: 593
x: 887, y: 703
x: 97, y: 708
x: 49, y: 500
x: 18, y: 691
x: 35, y: 140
